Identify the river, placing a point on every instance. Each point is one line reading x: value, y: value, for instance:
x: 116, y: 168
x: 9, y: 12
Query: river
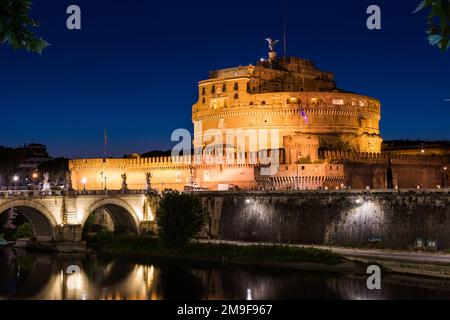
x: 25, y: 275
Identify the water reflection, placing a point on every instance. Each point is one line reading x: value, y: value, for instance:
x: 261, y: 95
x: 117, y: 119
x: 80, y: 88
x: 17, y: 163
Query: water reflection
x: 44, y: 276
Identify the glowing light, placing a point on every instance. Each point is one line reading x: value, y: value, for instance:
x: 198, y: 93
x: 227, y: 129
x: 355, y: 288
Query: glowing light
x: 84, y: 181
x: 249, y: 294
x: 35, y: 175
x: 74, y: 281
x: 423, y: 151
x: 247, y: 201
x: 359, y: 201
x: 15, y: 178
x: 445, y: 168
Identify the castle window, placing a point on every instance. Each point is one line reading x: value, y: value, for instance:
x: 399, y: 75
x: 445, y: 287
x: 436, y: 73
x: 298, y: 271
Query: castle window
x: 236, y: 96
x: 203, y: 91
x: 236, y: 86
x: 338, y: 102
x: 251, y: 103
x: 213, y: 89
x: 303, y: 168
x: 292, y: 100
x: 263, y: 102
x: 204, y: 100
x: 224, y: 88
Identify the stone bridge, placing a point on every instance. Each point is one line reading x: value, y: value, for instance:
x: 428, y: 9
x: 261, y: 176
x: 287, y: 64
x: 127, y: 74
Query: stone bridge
x: 61, y: 215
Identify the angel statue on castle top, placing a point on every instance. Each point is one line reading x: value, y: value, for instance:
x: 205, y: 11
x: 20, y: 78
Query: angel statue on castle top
x: 272, y: 43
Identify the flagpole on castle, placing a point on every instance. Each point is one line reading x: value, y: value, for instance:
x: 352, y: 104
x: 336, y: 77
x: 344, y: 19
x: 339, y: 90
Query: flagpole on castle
x: 284, y: 27
x: 105, y: 142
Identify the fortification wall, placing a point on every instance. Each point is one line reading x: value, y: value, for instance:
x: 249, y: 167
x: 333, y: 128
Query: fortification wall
x: 396, y: 218
x: 167, y: 173
x: 370, y: 169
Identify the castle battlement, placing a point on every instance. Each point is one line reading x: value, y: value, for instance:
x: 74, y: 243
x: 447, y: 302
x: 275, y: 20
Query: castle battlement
x: 366, y: 157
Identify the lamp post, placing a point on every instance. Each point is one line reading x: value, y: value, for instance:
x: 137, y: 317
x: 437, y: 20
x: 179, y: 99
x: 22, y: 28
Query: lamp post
x: 15, y: 179
x: 298, y: 175
x: 422, y: 151
x: 34, y: 176
x: 445, y: 177
x: 84, y: 181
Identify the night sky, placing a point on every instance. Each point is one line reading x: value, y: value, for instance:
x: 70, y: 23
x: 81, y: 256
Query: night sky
x: 134, y: 67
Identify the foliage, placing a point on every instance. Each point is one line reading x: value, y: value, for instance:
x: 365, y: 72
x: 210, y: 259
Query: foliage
x: 10, y: 158
x: 148, y: 246
x: 15, y: 25
x: 25, y: 231
x: 133, y: 244
x: 304, y: 160
x: 104, y: 237
x: 438, y: 22
x: 281, y: 253
x: 180, y: 218
x: 57, y: 169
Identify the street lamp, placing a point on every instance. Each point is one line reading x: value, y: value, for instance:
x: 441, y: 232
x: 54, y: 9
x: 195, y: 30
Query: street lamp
x: 445, y: 177
x: 34, y: 176
x: 15, y: 179
x: 84, y: 181
x: 298, y: 178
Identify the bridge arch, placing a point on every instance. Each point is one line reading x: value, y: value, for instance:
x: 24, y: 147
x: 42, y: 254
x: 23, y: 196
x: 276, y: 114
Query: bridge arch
x: 41, y: 218
x: 121, y: 213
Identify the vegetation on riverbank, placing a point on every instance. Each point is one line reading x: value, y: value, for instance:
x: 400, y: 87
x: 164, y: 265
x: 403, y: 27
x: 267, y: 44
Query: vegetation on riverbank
x: 149, y: 246
x: 180, y: 218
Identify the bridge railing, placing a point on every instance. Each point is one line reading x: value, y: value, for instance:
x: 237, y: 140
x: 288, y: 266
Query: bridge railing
x: 52, y: 193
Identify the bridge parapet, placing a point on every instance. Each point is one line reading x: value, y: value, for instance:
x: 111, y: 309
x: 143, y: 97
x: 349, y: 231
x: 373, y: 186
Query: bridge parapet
x: 73, y: 193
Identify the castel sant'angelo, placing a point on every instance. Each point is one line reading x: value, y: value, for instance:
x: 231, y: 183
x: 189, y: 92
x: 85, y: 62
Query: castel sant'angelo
x: 325, y: 138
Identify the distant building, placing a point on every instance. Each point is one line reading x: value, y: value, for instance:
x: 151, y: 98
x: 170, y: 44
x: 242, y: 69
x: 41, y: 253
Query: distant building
x: 35, y: 154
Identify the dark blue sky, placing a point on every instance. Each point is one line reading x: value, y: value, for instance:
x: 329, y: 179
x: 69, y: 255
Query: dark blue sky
x: 134, y: 67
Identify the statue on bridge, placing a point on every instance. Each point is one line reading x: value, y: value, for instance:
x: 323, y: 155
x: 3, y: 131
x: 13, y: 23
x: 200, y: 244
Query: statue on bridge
x: 46, y: 185
x: 124, y: 183
x: 148, y: 181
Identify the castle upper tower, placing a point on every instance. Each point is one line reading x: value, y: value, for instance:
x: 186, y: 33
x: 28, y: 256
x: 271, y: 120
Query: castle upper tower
x: 291, y: 95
